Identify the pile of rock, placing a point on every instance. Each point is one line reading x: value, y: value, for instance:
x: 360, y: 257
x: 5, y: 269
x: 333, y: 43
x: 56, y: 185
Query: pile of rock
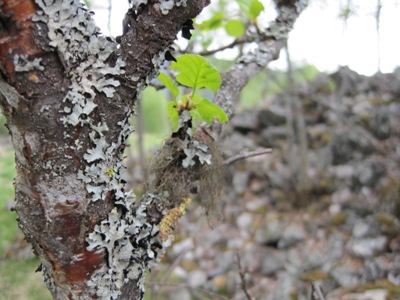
x: 340, y: 237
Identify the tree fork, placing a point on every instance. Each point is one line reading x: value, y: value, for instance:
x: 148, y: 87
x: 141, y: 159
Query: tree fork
x: 67, y: 95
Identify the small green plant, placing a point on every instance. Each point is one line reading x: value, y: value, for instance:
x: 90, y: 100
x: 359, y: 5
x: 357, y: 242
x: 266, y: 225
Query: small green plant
x: 195, y: 72
x: 234, y: 26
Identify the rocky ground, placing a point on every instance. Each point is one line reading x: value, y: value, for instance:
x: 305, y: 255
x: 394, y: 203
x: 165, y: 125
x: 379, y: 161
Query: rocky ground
x: 337, y: 239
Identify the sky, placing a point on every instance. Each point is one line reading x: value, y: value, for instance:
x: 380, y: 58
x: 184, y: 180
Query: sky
x: 319, y: 37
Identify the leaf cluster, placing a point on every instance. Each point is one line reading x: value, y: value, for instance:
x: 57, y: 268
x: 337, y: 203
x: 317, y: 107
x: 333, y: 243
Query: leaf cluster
x: 234, y: 27
x: 197, y: 73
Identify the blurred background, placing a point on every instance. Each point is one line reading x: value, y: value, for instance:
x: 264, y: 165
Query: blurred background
x: 318, y: 215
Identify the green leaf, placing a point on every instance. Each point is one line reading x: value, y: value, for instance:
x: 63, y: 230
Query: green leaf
x: 169, y: 84
x: 196, y: 72
x: 173, y: 115
x: 234, y: 28
x: 213, y: 23
x: 256, y: 7
x: 251, y: 8
x: 207, y: 110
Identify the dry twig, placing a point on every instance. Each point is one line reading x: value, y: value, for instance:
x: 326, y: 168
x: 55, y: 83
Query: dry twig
x: 242, y: 274
x: 245, y: 155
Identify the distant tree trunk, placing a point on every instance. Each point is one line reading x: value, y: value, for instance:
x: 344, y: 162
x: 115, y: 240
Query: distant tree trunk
x: 67, y: 93
x: 297, y: 146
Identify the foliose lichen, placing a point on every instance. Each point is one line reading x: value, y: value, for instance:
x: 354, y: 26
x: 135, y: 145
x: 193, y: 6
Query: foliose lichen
x: 84, y: 52
x: 132, y: 245
x: 22, y: 64
x: 128, y: 239
x: 167, y: 5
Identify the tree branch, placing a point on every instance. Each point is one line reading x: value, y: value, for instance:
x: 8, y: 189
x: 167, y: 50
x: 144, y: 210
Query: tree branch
x: 245, y: 155
x: 272, y: 41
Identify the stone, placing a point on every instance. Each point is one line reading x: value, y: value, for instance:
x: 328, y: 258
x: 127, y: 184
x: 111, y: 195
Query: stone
x: 246, y: 121
x: 272, y: 262
x: 380, y: 123
x: 273, y: 136
x: 244, y: 221
x: 292, y: 234
x: 270, y: 233
x: 368, y: 173
x: 196, y: 278
x: 377, y: 294
x: 344, y: 276
x: 368, y: 247
x: 271, y: 117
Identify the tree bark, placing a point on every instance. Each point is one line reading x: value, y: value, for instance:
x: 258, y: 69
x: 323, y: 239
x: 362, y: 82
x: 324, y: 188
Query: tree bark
x: 67, y: 93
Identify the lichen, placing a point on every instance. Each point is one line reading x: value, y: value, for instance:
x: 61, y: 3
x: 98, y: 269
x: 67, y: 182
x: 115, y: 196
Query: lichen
x: 166, y: 5
x: 22, y: 64
x: 132, y: 245
x: 84, y: 53
x: 136, y: 3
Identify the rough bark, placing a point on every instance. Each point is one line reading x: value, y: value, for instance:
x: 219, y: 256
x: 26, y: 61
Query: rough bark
x: 67, y: 93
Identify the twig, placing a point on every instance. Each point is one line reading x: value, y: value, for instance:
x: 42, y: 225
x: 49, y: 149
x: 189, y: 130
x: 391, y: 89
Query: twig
x: 238, y: 41
x: 242, y: 274
x: 317, y: 288
x: 245, y: 155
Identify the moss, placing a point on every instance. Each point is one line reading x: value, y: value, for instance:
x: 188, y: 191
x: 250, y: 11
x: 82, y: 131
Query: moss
x: 339, y: 218
x: 389, y: 223
x: 394, y: 290
x: 314, y: 275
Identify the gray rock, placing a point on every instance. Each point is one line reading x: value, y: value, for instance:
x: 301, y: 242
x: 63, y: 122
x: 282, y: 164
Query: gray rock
x: 366, y: 227
x: 368, y: 247
x: 380, y: 124
x: 270, y: 233
x: 272, y: 262
x: 346, y: 145
x: 361, y: 229
x: 374, y: 270
x: 344, y: 276
x: 377, y: 294
x: 235, y: 143
x: 336, y: 247
x: 273, y: 136
x: 368, y: 173
x: 196, y: 278
x: 246, y: 121
x: 271, y: 117
x: 292, y: 234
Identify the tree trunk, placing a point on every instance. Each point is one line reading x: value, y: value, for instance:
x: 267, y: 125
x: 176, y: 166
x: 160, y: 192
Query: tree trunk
x: 67, y: 93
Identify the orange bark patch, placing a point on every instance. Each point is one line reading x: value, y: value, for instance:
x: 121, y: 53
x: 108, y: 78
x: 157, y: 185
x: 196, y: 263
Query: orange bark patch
x: 17, y: 37
x: 80, y: 270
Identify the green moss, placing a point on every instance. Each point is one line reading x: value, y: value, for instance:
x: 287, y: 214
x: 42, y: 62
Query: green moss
x: 339, y: 218
x: 314, y: 275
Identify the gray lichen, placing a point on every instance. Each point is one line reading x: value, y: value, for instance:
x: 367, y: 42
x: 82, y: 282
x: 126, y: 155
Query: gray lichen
x: 22, y: 64
x: 132, y: 245
x: 129, y: 241
x: 166, y: 5
x: 194, y: 149
x: 85, y: 51
x: 73, y: 34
